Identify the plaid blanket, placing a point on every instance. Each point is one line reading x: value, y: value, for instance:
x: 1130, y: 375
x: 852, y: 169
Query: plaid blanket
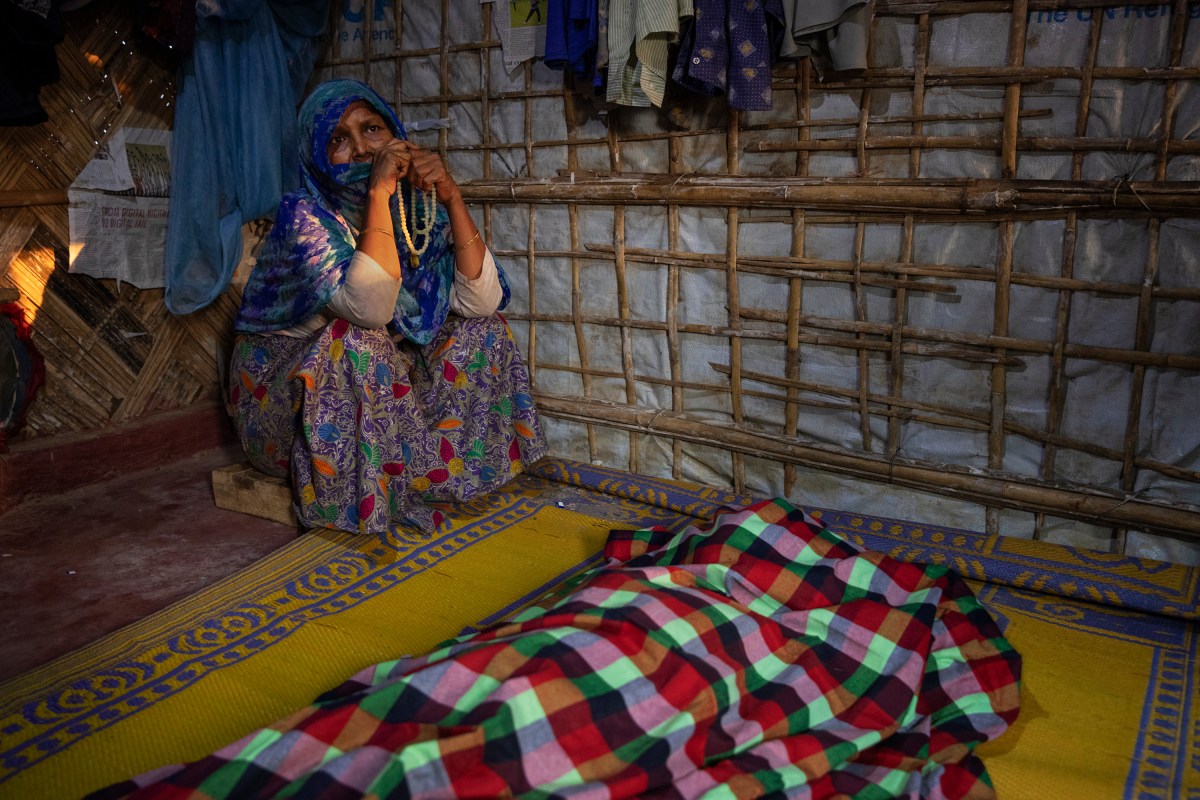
x: 760, y: 655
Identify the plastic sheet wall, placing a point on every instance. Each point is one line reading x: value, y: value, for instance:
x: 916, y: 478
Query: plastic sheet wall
x: 859, y: 329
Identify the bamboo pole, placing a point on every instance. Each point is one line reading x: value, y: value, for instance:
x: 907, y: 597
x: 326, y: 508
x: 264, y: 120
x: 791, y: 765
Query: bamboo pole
x: 998, y: 379
x: 968, y: 341
x: 905, y: 409
x: 1002, y: 296
x: 692, y: 133
x: 733, y: 297
x: 900, y: 314
x: 828, y: 269
x: 485, y: 112
x: 581, y: 339
x: 620, y: 275
x: 1082, y: 503
x: 972, y: 196
x: 1179, y: 26
x: 902, y: 119
x: 1108, y: 354
x: 443, y: 70
x: 1056, y: 402
x: 1066, y: 144
x: 23, y: 198
x: 860, y: 230
x: 795, y: 303
x: 861, y: 343
x: 887, y: 77
x: 674, y: 349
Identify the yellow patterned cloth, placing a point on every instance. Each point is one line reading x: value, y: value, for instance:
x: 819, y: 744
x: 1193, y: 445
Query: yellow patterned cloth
x: 1110, y: 696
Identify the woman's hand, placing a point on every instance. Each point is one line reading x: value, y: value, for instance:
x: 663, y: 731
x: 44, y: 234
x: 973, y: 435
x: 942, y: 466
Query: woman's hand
x: 389, y: 164
x: 426, y: 170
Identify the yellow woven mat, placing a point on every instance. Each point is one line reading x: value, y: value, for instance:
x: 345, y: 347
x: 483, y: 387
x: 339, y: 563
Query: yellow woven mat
x: 1110, y: 701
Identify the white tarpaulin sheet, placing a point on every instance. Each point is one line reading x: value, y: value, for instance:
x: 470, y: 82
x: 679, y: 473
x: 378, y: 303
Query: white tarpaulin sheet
x: 1113, y: 250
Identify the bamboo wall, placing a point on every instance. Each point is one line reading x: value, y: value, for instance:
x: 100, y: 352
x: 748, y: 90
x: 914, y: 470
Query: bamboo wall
x: 113, y: 353
x: 843, y: 219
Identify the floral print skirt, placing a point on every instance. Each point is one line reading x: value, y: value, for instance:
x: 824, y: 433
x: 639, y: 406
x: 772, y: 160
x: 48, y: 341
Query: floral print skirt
x: 371, y: 432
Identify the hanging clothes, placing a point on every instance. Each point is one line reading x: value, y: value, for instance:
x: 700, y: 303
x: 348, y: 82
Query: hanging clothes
x: 834, y: 30
x: 600, y: 81
x: 232, y: 152
x: 640, y: 33
x: 572, y: 31
x: 728, y: 49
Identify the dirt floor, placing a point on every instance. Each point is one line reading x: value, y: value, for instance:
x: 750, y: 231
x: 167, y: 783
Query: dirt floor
x: 78, y: 565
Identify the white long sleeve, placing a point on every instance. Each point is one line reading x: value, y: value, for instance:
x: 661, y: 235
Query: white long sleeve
x: 366, y: 298
x: 479, y: 297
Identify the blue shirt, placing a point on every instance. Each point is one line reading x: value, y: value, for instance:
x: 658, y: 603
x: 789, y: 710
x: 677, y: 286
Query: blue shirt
x: 572, y: 34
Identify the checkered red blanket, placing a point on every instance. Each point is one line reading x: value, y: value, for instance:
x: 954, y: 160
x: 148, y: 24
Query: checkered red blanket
x: 759, y: 656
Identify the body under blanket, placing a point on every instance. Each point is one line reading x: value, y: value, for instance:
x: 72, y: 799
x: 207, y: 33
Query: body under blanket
x: 760, y: 655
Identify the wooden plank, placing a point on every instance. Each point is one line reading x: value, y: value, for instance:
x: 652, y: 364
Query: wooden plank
x: 242, y: 488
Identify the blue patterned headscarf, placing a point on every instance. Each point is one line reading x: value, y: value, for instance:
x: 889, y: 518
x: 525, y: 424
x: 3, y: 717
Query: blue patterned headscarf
x: 304, y: 259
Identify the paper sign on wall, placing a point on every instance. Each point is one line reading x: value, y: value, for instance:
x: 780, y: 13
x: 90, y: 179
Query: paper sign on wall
x: 118, y: 209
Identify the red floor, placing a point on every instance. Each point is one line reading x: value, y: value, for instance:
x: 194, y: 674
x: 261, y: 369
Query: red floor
x: 78, y: 565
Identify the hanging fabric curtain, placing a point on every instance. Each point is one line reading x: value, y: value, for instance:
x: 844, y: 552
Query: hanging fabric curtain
x: 233, y: 151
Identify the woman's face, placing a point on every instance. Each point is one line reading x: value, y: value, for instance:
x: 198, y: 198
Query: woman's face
x: 359, y: 133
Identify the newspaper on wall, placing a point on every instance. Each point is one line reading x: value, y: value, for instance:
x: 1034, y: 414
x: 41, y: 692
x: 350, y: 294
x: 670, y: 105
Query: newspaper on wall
x: 521, y: 26
x: 118, y: 209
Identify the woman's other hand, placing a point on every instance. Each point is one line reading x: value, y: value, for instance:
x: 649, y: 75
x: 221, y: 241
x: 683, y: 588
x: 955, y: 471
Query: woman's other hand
x: 427, y: 170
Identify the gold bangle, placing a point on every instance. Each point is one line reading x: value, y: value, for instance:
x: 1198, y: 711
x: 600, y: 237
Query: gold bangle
x: 381, y: 230
x: 470, y: 242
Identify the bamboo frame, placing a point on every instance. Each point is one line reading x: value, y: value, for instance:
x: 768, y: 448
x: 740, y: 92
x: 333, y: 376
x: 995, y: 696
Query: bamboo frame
x: 861, y: 200
x: 1010, y: 491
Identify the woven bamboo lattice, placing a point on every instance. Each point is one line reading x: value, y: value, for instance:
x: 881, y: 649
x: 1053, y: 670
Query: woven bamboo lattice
x: 112, y: 353
x: 823, y: 303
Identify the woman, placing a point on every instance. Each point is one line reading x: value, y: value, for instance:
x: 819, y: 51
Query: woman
x: 370, y: 362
